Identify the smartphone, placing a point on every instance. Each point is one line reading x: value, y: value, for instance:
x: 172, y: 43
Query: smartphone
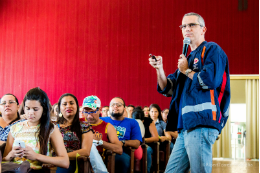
x: 19, y: 143
x: 153, y: 57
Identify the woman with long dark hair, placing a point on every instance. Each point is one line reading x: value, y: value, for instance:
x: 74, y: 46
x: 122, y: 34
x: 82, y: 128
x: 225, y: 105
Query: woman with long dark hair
x: 37, y: 133
x: 77, y: 135
x: 9, y: 107
x: 156, y: 115
x: 146, y: 111
x: 151, y: 134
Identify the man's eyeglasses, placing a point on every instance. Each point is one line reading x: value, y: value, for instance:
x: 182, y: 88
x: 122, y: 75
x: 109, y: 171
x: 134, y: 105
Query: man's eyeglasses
x: 191, y: 25
x: 116, y: 104
x: 92, y: 112
x: 10, y: 102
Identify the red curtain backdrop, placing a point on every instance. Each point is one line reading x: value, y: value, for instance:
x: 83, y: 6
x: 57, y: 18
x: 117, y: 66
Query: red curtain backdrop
x: 101, y: 47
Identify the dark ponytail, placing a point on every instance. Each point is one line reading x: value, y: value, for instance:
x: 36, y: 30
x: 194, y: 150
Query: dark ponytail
x: 45, y: 124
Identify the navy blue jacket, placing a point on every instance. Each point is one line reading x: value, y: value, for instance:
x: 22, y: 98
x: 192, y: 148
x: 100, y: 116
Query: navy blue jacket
x: 206, y: 98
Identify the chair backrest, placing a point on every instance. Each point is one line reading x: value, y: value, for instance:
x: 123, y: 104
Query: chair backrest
x: 164, y: 154
x: 130, y: 151
x: 155, y: 162
x: 110, y: 161
x: 84, y: 164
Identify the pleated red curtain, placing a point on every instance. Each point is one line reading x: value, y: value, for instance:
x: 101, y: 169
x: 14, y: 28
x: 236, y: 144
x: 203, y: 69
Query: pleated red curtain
x: 101, y: 47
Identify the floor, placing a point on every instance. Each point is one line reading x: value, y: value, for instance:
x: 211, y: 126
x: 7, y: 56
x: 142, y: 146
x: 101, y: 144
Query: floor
x: 235, y: 166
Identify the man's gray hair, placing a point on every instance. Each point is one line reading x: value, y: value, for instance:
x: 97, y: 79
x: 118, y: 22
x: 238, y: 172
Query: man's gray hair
x: 200, y: 19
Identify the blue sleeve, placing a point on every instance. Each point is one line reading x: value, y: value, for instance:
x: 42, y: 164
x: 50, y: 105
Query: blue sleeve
x: 215, y: 61
x: 106, y: 119
x: 135, y: 131
x: 171, y: 83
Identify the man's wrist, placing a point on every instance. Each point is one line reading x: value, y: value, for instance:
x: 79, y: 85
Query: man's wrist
x: 187, y: 72
x: 123, y: 142
x: 100, y: 142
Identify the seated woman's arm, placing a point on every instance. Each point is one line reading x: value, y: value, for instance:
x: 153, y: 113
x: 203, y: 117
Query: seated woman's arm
x: 170, y: 134
x: 154, y: 134
x: 87, y: 139
x: 11, y: 152
x: 1, y: 142
x: 61, y: 160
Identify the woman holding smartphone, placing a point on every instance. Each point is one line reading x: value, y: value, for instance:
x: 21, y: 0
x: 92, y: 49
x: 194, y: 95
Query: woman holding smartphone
x: 37, y: 133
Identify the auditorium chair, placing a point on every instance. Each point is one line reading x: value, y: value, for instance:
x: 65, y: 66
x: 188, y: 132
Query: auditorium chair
x: 164, y: 154
x: 141, y: 165
x: 110, y: 161
x: 83, y: 164
x: 130, y: 151
x: 155, y: 157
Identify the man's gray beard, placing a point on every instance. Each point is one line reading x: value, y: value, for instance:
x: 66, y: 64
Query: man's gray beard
x: 117, y: 115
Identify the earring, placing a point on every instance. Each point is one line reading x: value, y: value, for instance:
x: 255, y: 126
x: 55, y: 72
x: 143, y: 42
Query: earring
x: 60, y: 114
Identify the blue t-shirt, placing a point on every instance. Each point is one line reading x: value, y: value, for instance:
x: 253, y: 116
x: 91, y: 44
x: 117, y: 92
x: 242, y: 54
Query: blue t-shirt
x: 127, y: 129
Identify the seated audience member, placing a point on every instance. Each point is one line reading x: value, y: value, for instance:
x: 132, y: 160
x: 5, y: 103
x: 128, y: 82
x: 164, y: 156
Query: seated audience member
x: 169, y: 134
x: 155, y: 113
x: 126, y: 113
x: 128, y: 132
x: 105, y: 110
x: 165, y: 113
x: 81, y: 116
x: 21, y: 111
x: 130, y: 109
x: 151, y: 134
x: 105, y: 136
x: 139, y: 151
x: 138, y: 107
x: 38, y: 134
x: 146, y: 111
x: 54, y: 113
x: 9, y: 107
x: 77, y: 136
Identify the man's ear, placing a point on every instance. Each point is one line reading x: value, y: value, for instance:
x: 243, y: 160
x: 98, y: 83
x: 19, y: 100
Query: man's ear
x: 204, y: 29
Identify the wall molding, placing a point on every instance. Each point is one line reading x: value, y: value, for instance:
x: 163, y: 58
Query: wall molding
x: 243, y: 77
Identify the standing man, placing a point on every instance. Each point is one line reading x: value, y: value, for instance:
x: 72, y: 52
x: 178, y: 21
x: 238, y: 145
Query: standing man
x: 200, y: 91
x: 128, y: 132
